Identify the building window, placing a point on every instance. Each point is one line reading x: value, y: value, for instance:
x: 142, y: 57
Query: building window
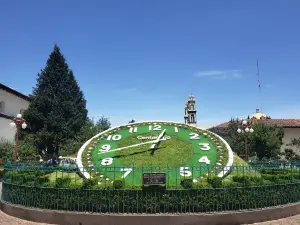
x: 2, y: 106
x: 22, y: 111
x: 192, y: 107
x: 192, y: 118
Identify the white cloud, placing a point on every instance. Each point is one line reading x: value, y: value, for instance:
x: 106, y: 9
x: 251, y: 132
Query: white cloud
x: 220, y: 74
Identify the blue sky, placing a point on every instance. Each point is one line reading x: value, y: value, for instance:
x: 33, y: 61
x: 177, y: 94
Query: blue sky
x: 141, y: 59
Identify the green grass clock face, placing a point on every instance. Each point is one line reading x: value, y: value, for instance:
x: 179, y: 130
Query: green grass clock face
x: 177, y: 149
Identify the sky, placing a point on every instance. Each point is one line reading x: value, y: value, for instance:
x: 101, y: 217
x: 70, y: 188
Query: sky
x: 141, y: 59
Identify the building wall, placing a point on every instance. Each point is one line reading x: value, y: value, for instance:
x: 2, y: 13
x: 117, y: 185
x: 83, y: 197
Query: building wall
x: 290, y: 133
x: 6, y: 132
x: 12, y: 106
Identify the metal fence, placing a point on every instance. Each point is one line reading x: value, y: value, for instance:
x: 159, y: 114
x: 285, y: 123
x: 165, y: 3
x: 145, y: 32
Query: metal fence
x: 145, y: 201
x: 246, y: 187
x: 200, y: 176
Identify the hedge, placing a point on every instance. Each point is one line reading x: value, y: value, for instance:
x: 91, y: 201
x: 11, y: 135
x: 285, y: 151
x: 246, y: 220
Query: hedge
x: 40, y: 178
x: 149, y: 201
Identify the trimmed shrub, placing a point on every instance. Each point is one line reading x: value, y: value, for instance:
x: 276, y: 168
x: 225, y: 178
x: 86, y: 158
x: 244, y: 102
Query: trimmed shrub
x: 214, y: 181
x: 89, y: 183
x: 118, y: 184
x: 246, y: 179
x: 63, y: 182
x: 186, y: 183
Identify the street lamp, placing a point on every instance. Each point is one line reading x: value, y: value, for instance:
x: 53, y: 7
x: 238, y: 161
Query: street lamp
x: 18, y: 123
x: 245, y: 129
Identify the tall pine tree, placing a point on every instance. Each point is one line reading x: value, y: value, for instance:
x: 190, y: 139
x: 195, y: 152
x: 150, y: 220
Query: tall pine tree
x: 58, y: 108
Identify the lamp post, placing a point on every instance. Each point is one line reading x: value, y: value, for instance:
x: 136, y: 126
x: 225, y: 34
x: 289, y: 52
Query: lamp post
x: 18, y: 123
x: 245, y: 128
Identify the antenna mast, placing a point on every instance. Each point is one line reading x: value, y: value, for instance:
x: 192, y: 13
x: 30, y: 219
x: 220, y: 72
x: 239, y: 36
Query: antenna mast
x: 259, y: 88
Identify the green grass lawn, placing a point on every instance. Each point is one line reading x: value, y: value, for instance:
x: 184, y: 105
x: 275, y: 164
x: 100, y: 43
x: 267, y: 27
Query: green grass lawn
x: 240, y: 167
x: 75, y: 178
x: 173, y: 152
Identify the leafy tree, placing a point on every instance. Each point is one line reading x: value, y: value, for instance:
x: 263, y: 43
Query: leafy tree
x: 132, y: 121
x: 7, y: 150
x: 264, y: 142
x: 296, y: 142
x: 102, y: 124
x: 289, y: 153
x: 90, y: 129
x: 235, y: 140
x: 58, y: 108
x: 27, y: 151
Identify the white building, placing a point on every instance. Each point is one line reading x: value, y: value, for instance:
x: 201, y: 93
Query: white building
x: 190, y: 112
x: 12, y: 102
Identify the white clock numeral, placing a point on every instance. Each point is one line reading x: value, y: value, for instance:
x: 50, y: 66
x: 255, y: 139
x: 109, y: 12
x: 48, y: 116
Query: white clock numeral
x: 155, y: 127
x: 205, y: 146
x: 105, y: 148
x: 128, y: 171
x: 194, y: 136
x: 185, y: 172
x: 176, y: 129
x: 107, y: 161
x: 132, y: 129
x: 115, y: 137
x: 204, y: 159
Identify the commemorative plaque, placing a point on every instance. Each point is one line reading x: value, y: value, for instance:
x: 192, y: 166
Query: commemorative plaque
x: 154, y: 178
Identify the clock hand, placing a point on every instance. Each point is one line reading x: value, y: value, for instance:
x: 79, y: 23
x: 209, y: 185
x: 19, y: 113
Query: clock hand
x: 135, y: 145
x: 159, y: 138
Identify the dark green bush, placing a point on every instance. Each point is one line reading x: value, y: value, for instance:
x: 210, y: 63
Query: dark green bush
x: 63, y: 182
x: 214, y: 181
x: 246, y: 179
x: 118, y: 183
x: 43, y: 179
x: 186, y: 183
x: 90, y: 183
x: 270, y: 177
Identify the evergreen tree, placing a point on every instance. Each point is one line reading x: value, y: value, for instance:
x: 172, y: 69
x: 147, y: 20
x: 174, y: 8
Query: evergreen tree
x: 58, y: 108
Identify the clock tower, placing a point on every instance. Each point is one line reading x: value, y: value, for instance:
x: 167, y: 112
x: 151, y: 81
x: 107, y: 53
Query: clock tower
x: 190, y: 111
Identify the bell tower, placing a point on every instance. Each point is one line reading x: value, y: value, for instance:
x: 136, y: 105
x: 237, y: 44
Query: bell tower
x: 190, y: 111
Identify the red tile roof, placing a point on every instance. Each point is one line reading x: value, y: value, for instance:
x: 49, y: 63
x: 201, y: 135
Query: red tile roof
x: 285, y: 123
